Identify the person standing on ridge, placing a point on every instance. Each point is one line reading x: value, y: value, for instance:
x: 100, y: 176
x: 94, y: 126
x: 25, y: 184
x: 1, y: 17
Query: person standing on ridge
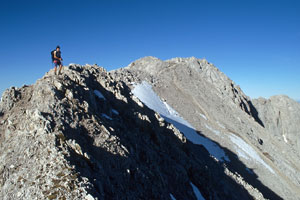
x: 56, y: 58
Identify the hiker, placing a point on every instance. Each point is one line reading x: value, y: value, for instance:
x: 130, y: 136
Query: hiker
x: 56, y: 59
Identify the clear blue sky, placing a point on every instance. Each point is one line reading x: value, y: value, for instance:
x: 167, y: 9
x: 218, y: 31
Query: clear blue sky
x: 255, y: 42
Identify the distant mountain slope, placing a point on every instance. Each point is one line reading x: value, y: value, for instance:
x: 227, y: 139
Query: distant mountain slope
x: 281, y: 116
x: 218, y: 109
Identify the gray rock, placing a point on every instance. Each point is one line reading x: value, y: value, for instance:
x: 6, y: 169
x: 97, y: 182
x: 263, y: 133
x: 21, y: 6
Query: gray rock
x: 218, y: 109
x: 280, y: 114
x: 84, y: 135
x: 60, y: 141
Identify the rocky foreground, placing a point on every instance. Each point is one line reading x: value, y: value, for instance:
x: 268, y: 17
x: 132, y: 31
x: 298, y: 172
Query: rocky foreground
x: 85, y: 135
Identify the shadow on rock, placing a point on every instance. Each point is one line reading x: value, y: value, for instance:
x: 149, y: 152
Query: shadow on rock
x: 235, y: 164
x: 133, y: 155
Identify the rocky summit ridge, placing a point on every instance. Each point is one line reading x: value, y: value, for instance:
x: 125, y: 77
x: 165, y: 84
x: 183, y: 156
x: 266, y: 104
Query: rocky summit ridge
x: 91, y: 134
x: 263, y: 134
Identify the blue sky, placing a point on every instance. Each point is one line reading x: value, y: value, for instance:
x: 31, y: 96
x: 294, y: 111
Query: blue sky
x: 255, y: 42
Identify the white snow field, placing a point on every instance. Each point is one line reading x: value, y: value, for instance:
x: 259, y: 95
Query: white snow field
x: 245, y: 151
x: 145, y: 93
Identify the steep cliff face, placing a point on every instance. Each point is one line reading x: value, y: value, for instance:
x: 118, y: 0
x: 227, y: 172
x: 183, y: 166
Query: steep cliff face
x: 281, y: 117
x: 84, y: 135
x: 218, y: 109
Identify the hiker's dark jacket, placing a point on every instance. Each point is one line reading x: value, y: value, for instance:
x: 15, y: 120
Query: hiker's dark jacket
x: 57, y: 54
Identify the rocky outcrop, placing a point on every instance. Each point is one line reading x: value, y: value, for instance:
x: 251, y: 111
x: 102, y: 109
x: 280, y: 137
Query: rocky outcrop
x: 196, y: 68
x: 83, y: 135
x: 217, y: 108
x: 280, y: 114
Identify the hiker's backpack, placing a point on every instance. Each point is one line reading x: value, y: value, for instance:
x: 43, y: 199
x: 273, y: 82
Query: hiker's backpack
x: 52, y: 55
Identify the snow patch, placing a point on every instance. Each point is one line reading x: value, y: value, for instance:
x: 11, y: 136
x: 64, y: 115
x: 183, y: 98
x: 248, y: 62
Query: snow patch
x: 171, y: 110
x: 284, y: 138
x: 221, y: 125
x: 203, y: 116
x: 99, y: 94
x: 197, y: 192
x: 244, y: 150
x: 145, y: 93
x: 106, y: 116
x: 172, y: 197
x: 249, y: 170
x: 115, y: 111
x: 212, y: 130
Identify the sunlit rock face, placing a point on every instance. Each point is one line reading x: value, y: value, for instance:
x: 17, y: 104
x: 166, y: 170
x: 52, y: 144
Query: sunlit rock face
x: 175, y: 129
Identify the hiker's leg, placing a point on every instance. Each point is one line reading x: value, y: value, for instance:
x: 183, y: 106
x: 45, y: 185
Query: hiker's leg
x: 55, y: 66
x: 60, y: 66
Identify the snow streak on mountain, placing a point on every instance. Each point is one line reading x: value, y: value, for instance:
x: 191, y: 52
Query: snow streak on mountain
x: 174, y: 129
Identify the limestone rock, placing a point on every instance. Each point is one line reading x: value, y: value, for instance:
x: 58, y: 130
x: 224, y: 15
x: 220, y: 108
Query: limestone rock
x: 84, y: 135
x: 280, y: 114
x: 251, y: 131
x: 59, y: 140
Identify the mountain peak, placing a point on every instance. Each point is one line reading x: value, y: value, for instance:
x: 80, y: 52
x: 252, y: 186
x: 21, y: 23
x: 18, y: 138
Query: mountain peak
x: 83, y: 135
x: 175, y: 129
x: 185, y: 69
x: 217, y: 108
x: 149, y: 64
